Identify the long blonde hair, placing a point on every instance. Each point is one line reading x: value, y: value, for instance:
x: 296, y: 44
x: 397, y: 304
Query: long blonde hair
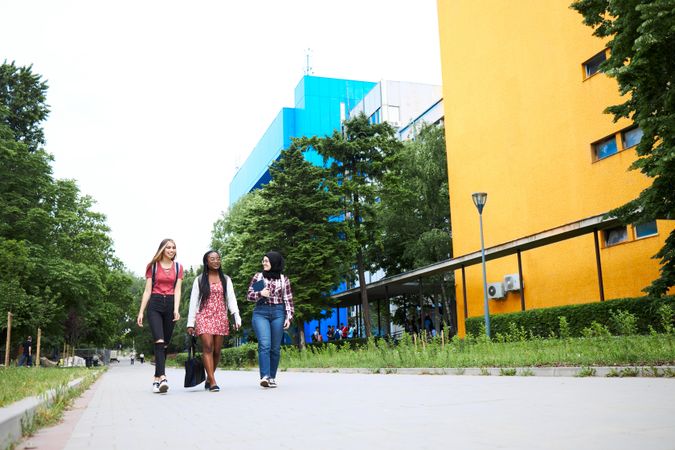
x: 160, y: 252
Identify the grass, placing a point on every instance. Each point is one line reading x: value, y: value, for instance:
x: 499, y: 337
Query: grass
x: 50, y: 413
x: 636, y: 350
x: 17, y: 383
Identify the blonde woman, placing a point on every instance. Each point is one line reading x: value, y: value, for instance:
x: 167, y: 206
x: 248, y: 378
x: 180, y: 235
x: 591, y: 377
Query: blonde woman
x: 163, y: 279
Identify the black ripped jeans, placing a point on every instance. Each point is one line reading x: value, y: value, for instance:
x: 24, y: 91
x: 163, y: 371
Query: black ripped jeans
x: 160, y: 318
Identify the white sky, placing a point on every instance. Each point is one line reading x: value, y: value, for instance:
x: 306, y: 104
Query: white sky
x: 155, y: 103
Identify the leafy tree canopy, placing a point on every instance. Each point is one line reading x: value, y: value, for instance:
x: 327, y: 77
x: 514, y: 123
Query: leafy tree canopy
x: 642, y: 45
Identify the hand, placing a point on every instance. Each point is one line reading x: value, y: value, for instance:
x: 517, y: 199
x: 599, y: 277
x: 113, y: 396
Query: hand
x: 191, y: 331
x: 139, y: 319
x: 287, y: 324
x: 265, y: 292
x: 176, y: 316
x: 237, y: 321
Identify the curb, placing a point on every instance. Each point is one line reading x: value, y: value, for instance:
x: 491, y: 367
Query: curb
x: 14, y: 416
x: 615, y: 371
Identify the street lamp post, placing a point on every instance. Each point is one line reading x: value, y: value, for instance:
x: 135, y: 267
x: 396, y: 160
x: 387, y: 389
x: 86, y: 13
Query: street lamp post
x: 479, y: 199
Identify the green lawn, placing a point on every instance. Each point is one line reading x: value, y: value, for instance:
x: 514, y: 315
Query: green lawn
x: 20, y: 382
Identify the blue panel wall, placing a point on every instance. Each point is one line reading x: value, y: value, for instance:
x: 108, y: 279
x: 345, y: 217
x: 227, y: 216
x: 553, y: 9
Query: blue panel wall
x: 316, y: 113
x: 255, y: 170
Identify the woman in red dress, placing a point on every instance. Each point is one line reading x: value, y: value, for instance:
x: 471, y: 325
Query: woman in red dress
x: 207, y: 317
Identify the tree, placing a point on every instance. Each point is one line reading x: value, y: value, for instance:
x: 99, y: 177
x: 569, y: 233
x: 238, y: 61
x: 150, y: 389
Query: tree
x: 300, y: 222
x: 359, y: 157
x: 294, y: 214
x: 235, y: 236
x: 58, y: 269
x: 23, y: 107
x: 414, y: 211
x: 642, y: 46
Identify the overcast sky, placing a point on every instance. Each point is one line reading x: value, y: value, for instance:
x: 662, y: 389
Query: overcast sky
x: 154, y: 104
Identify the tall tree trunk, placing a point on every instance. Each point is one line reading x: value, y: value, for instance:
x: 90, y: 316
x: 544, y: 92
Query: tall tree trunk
x: 301, y: 335
x: 360, y: 265
x: 446, y: 305
x: 365, y: 310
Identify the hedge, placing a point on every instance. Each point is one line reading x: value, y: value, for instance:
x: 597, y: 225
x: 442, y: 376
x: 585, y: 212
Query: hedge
x: 245, y: 355
x: 544, y: 322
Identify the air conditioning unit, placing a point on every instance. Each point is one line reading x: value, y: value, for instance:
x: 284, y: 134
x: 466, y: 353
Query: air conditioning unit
x: 512, y: 282
x: 496, y: 290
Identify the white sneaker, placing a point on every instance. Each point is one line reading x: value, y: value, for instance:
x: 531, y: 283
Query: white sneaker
x: 163, y: 386
x: 265, y: 382
x: 272, y: 383
x: 155, y: 387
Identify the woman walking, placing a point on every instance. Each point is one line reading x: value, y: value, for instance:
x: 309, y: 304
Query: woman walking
x: 207, y: 317
x: 163, y: 278
x: 273, y: 312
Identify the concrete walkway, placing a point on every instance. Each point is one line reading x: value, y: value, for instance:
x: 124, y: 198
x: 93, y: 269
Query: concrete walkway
x: 359, y: 411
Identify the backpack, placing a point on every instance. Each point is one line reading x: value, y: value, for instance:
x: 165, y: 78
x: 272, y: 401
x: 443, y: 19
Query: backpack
x: 154, y: 270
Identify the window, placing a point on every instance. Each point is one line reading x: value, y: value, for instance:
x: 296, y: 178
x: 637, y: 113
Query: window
x: 592, y: 66
x: 605, y: 148
x: 394, y: 115
x: 613, y: 236
x: 631, y: 137
x: 645, y: 229
x: 375, y: 117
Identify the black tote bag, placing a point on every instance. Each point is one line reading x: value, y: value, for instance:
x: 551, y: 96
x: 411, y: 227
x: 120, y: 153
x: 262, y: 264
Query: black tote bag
x: 194, y: 367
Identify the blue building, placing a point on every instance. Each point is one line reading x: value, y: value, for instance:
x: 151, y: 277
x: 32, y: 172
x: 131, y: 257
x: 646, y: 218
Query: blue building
x: 320, y: 106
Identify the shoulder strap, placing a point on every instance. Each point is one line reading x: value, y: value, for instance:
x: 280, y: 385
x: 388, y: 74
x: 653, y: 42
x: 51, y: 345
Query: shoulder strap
x: 177, y: 273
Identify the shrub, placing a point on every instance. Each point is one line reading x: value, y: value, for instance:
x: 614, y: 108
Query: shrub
x: 623, y: 322
x: 564, y: 327
x: 665, y: 313
x: 595, y: 330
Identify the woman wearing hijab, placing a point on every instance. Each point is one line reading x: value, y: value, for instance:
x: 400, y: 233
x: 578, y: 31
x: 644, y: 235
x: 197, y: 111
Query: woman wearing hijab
x: 212, y: 297
x: 273, y: 312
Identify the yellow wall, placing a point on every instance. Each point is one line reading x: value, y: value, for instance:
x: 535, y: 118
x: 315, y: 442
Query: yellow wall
x: 520, y: 120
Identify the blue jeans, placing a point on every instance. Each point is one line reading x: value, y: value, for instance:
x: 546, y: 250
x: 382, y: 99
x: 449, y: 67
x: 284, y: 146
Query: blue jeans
x: 268, y: 324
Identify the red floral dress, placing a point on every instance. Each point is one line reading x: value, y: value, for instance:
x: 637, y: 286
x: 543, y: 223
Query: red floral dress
x: 212, y: 315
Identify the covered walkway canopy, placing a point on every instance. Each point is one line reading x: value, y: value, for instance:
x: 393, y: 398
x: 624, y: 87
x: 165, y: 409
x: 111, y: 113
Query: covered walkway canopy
x: 409, y: 282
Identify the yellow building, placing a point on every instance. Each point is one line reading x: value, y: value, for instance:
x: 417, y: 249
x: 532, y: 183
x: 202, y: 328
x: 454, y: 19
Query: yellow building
x: 524, y: 122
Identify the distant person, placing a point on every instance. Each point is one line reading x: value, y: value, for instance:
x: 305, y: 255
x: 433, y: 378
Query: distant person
x: 141, y: 357
x: 316, y: 336
x: 207, y: 317
x: 273, y: 313
x: 428, y: 324
x: 344, y: 331
x: 352, y: 332
x: 131, y: 358
x: 27, y: 354
x: 330, y: 333
x: 163, y: 278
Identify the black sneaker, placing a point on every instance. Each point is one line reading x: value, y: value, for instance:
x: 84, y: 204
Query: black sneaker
x: 214, y: 388
x: 272, y: 383
x: 206, y: 385
x: 265, y: 382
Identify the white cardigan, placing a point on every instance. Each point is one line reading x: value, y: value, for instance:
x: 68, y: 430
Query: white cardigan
x: 195, y: 300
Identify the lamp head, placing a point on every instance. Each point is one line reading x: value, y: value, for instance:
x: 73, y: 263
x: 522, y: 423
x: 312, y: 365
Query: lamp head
x: 479, y: 199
